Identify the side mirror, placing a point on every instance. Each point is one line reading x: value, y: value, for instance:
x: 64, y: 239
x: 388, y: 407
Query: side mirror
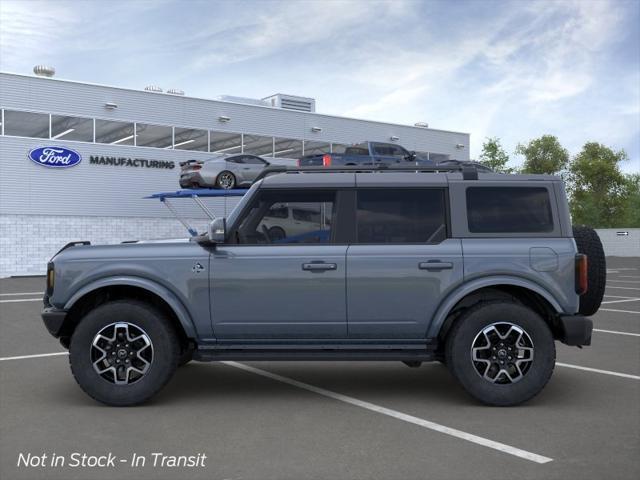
x: 217, y: 230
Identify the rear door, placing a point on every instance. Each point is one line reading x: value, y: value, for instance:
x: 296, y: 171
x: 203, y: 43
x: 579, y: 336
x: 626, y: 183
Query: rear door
x: 403, y: 261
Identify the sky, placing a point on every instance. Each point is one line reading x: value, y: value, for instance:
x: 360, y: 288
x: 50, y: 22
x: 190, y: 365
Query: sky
x: 509, y: 69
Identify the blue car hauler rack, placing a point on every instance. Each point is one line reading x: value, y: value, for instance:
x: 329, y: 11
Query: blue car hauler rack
x: 195, y: 194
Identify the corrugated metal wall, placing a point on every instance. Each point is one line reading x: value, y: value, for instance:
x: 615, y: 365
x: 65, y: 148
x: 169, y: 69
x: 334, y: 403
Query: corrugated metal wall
x: 620, y: 242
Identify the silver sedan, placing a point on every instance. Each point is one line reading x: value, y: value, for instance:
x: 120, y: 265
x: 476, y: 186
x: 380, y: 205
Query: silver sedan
x: 224, y: 172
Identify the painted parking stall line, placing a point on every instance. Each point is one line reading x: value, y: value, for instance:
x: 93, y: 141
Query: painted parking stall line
x: 616, y: 332
x: 619, y: 311
x: 38, y: 355
x: 18, y: 300
x: 485, y: 442
x: 621, y: 301
x: 19, y: 294
x: 597, y: 370
x: 622, y: 288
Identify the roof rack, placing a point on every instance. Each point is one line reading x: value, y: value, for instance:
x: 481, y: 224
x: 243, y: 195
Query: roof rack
x: 469, y: 172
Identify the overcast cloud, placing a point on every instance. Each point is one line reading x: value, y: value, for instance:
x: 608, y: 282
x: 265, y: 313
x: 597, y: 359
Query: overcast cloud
x: 515, y: 70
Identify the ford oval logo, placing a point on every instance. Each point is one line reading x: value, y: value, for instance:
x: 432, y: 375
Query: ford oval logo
x: 55, y: 157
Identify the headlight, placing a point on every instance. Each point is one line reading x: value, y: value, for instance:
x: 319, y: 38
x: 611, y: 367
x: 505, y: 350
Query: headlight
x: 50, y: 278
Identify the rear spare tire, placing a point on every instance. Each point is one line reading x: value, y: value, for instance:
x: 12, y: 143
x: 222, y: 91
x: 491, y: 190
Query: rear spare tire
x: 589, y: 243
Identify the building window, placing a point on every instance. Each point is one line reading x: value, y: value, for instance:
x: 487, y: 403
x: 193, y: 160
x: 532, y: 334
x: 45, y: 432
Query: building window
x: 191, y: 139
x: 509, y: 210
x: 258, y: 145
x: 287, y: 148
x: 401, y: 216
x: 157, y: 136
x: 316, y: 148
x: 115, y: 133
x: 71, y: 128
x: 225, y: 143
x: 26, y: 124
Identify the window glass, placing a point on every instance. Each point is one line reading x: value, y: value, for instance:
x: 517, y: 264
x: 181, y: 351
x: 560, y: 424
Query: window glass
x: 71, y: 128
x: 253, y: 160
x: 509, y: 210
x: 389, y: 150
x: 227, y: 143
x: 26, y: 124
x: 190, y: 139
x: 401, y: 216
x: 316, y: 148
x: 157, y: 136
x: 236, y: 159
x: 258, y: 145
x: 115, y: 133
x: 338, y: 148
x: 287, y: 148
x: 357, y: 151
x: 288, y: 218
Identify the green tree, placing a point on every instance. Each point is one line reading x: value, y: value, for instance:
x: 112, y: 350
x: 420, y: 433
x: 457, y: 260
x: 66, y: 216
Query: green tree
x: 494, y: 156
x: 543, y: 155
x: 631, y: 210
x: 599, y: 190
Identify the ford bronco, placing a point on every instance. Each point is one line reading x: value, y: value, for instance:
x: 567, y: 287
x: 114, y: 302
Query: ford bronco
x: 480, y: 271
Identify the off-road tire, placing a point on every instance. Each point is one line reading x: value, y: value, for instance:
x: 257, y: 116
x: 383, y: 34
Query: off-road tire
x: 458, y: 355
x: 166, y: 352
x: 589, y: 243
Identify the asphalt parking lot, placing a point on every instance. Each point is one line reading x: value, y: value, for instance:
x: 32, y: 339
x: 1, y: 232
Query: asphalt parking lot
x: 281, y: 420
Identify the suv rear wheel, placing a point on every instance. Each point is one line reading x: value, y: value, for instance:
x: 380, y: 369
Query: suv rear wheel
x: 502, y: 353
x: 123, y: 352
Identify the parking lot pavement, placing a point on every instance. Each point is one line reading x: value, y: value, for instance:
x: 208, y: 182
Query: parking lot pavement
x: 283, y: 420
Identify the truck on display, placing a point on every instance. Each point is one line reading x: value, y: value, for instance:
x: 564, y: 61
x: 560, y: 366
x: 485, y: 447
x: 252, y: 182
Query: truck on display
x: 366, y: 154
x: 481, y: 271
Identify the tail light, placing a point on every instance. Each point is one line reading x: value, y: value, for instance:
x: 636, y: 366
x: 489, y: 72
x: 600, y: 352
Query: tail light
x: 582, y: 280
x: 326, y: 160
x: 50, y: 279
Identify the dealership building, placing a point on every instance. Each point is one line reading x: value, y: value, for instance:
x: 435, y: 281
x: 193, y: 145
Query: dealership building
x: 127, y: 144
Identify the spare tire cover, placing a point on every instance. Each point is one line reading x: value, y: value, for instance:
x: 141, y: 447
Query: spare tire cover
x: 589, y: 243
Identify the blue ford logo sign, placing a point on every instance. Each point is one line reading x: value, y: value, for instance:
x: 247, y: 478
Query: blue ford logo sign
x: 55, y: 157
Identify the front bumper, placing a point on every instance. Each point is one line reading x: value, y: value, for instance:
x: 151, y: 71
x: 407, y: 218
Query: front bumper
x: 575, y: 330
x: 54, y: 320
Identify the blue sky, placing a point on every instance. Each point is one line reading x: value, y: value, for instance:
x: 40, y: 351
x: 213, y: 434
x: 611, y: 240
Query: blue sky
x: 515, y: 70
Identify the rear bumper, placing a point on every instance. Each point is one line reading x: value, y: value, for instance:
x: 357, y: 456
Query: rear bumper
x: 54, y: 320
x: 575, y: 330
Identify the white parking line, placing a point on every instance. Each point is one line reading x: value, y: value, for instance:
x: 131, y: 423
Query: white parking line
x: 595, y: 370
x: 617, y: 296
x: 485, y: 442
x: 630, y: 299
x: 616, y: 332
x: 628, y: 276
x: 622, y: 288
x: 40, y: 355
x: 624, y: 281
x: 17, y: 300
x: 18, y: 294
x: 619, y: 311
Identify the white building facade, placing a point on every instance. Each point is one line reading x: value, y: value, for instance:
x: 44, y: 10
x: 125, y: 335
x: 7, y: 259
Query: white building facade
x: 128, y: 144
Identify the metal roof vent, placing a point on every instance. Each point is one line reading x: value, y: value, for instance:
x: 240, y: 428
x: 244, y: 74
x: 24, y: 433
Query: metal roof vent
x: 175, y: 91
x: 44, y: 71
x: 292, y: 102
x: 153, y: 88
x: 421, y: 124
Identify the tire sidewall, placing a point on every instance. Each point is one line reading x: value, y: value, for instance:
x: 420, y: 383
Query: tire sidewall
x: 226, y: 172
x: 165, y: 353
x: 459, y: 344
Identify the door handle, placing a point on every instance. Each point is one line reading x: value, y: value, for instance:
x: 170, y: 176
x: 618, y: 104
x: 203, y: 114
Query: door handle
x: 435, y: 266
x: 319, y: 266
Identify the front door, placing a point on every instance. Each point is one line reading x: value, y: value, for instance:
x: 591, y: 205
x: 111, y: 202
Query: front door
x: 281, y: 276
x: 402, y: 263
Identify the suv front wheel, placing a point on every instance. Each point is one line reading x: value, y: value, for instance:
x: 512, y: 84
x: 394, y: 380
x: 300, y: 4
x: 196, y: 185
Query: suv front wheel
x: 123, y: 352
x: 502, y: 353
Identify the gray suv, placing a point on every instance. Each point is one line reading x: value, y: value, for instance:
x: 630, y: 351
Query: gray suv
x: 480, y: 271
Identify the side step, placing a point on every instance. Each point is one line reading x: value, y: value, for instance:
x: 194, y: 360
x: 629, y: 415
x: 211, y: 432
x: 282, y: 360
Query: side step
x: 424, y: 353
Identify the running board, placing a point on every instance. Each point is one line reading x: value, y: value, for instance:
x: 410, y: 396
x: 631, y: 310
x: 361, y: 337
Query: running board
x: 316, y: 352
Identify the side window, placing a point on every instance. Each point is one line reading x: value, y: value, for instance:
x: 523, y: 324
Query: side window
x: 509, y: 210
x: 390, y: 150
x: 288, y: 217
x: 401, y: 216
x: 253, y: 160
x: 235, y: 159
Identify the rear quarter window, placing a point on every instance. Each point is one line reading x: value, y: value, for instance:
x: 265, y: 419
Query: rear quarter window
x: 509, y: 210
